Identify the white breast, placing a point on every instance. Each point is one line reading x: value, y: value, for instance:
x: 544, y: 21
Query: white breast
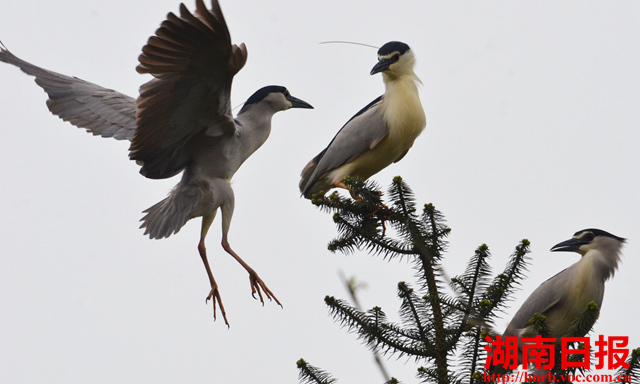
x: 403, y: 111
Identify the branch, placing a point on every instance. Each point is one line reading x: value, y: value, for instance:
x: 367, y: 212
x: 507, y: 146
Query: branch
x: 633, y: 372
x: 313, y: 375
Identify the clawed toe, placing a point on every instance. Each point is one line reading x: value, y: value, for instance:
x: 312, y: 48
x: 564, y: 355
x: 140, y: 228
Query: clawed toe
x: 214, y: 296
x: 258, y: 286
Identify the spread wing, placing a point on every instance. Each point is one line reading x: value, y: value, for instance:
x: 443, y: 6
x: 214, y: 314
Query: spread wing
x: 99, y: 110
x: 360, y: 134
x: 193, y: 63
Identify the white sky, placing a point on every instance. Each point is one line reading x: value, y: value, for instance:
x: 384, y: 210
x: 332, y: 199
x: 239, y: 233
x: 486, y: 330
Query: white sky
x: 533, y: 128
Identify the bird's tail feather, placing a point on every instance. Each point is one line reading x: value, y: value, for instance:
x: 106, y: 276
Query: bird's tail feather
x: 171, y: 214
x: 307, y: 174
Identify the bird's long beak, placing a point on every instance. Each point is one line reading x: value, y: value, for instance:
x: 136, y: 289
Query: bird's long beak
x: 297, y: 103
x: 571, y: 245
x: 381, y: 66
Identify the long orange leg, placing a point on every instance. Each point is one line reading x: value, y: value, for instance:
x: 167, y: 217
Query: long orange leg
x: 214, y: 294
x: 256, y: 282
x: 342, y: 185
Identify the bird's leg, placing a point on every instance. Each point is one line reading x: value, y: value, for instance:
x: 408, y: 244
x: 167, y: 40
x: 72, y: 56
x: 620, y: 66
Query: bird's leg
x: 381, y: 204
x: 358, y: 199
x: 354, y: 195
x: 214, y: 294
x: 384, y: 227
x: 382, y: 217
x: 256, y: 282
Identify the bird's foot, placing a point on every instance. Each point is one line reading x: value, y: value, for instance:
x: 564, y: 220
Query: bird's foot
x: 384, y: 227
x: 214, y: 296
x: 381, y: 215
x: 381, y: 204
x: 376, y: 212
x: 355, y: 196
x: 258, y: 286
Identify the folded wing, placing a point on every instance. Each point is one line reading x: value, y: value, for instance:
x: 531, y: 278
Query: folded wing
x: 360, y: 134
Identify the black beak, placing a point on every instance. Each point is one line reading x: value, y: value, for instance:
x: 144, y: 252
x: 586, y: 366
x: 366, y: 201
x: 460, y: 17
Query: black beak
x: 381, y: 66
x: 571, y: 245
x: 297, y: 103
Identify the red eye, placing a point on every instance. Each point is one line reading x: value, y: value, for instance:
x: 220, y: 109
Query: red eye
x: 589, y: 236
x: 396, y: 57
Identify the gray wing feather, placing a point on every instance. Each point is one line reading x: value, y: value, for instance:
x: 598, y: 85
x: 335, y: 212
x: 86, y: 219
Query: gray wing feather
x: 360, y: 134
x: 101, y: 111
x: 541, y: 301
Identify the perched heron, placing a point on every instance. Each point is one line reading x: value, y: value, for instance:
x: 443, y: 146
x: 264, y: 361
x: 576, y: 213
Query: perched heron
x: 378, y: 135
x: 181, y: 121
x: 564, y: 297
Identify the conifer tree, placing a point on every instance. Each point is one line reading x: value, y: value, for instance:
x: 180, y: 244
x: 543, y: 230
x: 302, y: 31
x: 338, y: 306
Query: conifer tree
x: 444, y: 332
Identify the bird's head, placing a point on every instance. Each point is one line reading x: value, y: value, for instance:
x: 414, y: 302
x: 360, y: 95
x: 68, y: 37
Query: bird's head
x: 394, y: 59
x: 590, y: 239
x: 275, y: 98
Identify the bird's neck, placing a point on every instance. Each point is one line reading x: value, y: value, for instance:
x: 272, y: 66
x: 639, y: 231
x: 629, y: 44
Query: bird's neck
x: 603, y: 263
x: 406, y: 76
x: 255, y: 127
x: 401, y: 103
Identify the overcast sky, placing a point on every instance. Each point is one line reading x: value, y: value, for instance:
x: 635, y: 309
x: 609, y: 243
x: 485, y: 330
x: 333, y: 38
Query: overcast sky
x: 533, y: 128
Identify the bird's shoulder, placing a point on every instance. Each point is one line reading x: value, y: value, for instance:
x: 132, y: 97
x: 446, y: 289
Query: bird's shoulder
x: 542, y: 300
x: 368, y: 122
x: 371, y: 106
x: 358, y: 134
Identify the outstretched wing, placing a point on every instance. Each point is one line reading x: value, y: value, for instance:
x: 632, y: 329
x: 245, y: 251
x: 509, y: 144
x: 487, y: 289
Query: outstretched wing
x: 99, y: 110
x: 360, y: 134
x: 193, y: 63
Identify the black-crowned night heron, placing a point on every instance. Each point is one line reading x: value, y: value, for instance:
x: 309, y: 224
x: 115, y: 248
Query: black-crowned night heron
x: 181, y: 121
x: 380, y: 134
x: 564, y: 297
